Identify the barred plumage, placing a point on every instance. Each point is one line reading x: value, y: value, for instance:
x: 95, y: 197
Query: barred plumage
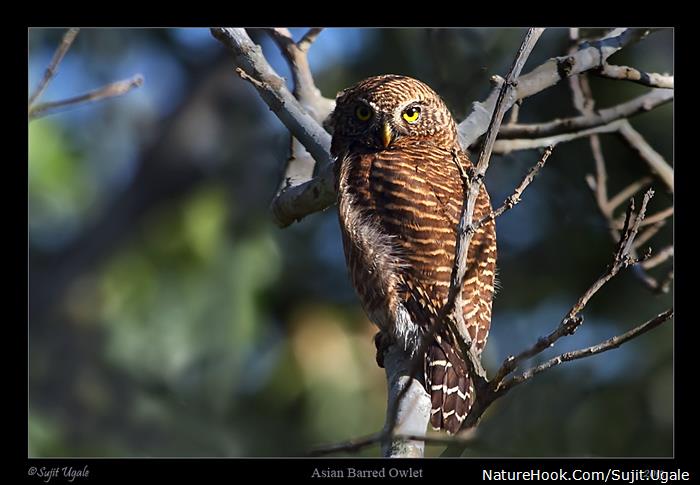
x: 400, y: 198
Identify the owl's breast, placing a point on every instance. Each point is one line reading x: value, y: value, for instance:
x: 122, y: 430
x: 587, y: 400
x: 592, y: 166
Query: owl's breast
x: 399, y: 211
x: 370, y: 251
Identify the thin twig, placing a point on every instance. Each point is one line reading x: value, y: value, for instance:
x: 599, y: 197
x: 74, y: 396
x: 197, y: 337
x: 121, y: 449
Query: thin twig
x: 658, y: 258
x: 589, y: 56
x: 51, y: 70
x: 248, y: 56
x: 308, y: 38
x: 584, y: 103
x: 609, y: 344
x: 300, y: 165
x: 348, y: 446
x: 111, y: 90
x: 507, y: 146
x: 514, y: 114
x: 625, y: 194
x: 626, y: 73
x: 572, y: 320
x: 591, y: 119
x: 652, y: 219
x: 515, y: 198
x: 656, y: 162
x: 648, y: 234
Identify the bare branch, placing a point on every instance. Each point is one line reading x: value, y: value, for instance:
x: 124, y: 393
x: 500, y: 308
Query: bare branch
x: 299, y: 167
x: 111, y: 90
x: 572, y: 320
x: 51, y: 70
x: 637, y: 105
x: 347, y: 446
x: 648, y: 234
x: 272, y: 89
x: 584, y: 103
x: 514, y: 113
x: 408, y: 405
x: 626, y: 193
x: 659, y: 258
x: 656, y: 162
x: 652, y: 219
x: 650, y: 79
x: 591, y: 55
x: 308, y: 38
x: 350, y: 446
x: 514, y: 199
x: 604, y: 346
x: 582, y: 97
x: 305, y: 90
x: 507, y: 146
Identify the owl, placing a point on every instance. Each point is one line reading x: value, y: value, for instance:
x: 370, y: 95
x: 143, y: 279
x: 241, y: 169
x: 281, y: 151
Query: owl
x: 400, y: 198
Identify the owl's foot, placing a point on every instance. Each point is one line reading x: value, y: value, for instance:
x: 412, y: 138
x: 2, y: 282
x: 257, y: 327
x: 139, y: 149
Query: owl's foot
x: 382, y: 341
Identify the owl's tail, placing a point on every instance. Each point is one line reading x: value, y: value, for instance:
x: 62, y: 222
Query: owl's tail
x: 451, y: 390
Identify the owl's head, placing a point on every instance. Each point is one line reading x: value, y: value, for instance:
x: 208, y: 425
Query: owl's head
x: 384, y: 111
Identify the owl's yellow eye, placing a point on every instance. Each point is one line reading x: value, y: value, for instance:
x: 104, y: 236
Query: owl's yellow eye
x: 411, y: 114
x: 363, y: 113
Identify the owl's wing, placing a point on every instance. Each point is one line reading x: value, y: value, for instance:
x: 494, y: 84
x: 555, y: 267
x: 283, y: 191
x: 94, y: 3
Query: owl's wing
x: 417, y: 195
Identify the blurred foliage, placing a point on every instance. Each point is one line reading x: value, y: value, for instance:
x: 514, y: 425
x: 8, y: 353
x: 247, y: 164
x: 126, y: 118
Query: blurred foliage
x: 168, y: 317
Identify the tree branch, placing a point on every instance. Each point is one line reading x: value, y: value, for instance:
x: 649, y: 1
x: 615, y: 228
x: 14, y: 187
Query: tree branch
x: 572, y: 320
x: 111, y: 90
x: 584, y: 103
x: 408, y: 406
x: 646, y: 102
x: 653, y: 219
x: 650, y: 79
x: 590, y: 55
x: 250, y: 60
x: 294, y: 199
x: 507, y: 146
x: 51, y: 70
x: 625, y: 194
x: 300, y: 165
x: 656, y: 162
x: 609, y: 344
x: 305, y: 90
x: 659, y: 258
x: 514, y: 199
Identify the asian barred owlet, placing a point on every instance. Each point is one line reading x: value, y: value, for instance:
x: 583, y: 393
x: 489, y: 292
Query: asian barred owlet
x: 400, y: 198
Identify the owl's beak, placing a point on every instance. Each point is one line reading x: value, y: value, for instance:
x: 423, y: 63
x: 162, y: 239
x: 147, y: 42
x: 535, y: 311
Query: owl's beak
x: 386, y: 134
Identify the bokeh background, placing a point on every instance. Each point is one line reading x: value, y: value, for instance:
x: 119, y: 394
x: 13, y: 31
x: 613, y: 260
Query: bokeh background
x: 169, y: 317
